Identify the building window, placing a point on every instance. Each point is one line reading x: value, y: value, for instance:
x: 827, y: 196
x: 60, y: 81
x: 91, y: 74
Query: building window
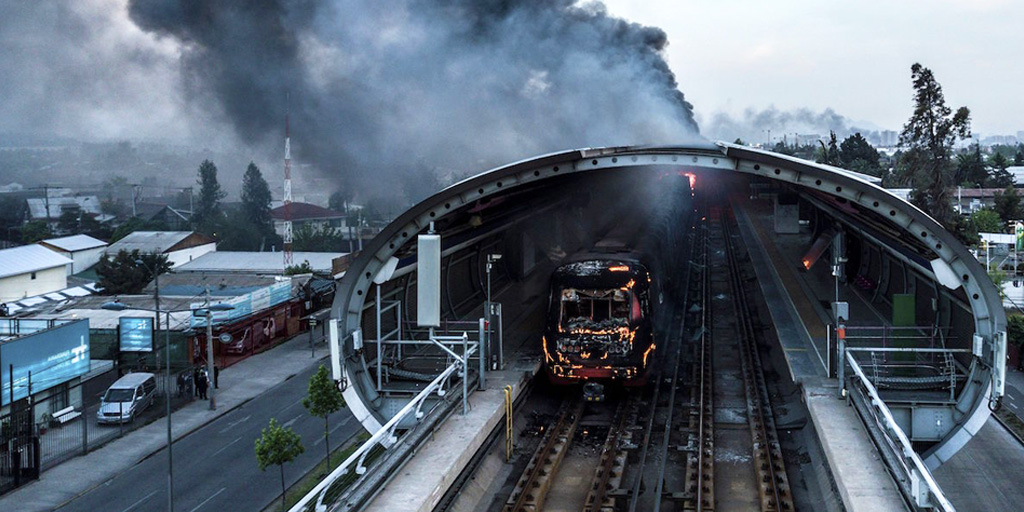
x: 33, y: 275
x: 58, y: 397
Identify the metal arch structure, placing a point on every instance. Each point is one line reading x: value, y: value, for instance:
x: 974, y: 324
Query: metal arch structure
x: 959, y: 267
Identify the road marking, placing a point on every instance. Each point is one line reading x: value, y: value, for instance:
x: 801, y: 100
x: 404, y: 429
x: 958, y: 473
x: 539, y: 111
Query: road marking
x: 137, y: 503
x: 1014, y: 406
x: 208, y: 499
x: 225, y: 447
x: 336, y: 427
x: 234, y: 423
x: 1009, y: 396
x: 291, y: 421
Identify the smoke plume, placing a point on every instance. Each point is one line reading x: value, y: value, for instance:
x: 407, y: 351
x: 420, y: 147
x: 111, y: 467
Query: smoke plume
x: 753, y: 126
x: 377, y: 89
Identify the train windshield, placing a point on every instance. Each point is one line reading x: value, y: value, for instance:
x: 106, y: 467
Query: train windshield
x: 597, y: 309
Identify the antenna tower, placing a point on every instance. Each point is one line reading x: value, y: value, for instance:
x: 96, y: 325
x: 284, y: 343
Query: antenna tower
x: 287, y: 193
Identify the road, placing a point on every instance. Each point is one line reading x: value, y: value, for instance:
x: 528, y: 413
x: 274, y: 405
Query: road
x: 215, y: 466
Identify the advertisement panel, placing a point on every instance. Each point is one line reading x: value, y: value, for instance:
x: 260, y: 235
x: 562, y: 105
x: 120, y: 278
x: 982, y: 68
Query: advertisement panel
x: 54, y: 356
x: 247, y: 304
x: 136, y: 334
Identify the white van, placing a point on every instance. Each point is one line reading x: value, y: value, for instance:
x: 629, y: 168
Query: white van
x: 126, y: 398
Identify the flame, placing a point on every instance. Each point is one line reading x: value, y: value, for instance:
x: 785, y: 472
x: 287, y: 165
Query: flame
x: 807, y: 264
x: 624, y: 333
x: 648, y: 352
x: 547, y: 355
x: 619, y: 268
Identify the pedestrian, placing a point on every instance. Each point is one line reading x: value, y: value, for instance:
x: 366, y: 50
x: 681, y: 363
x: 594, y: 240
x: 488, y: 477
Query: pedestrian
x: 202, y: 384
x: 181, y: 384
x: 4, y: 311
x: 216, y: 375
x: 195, y: 381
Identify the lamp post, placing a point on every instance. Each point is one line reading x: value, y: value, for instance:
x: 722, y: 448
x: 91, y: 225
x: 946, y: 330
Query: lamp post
x: 118, y: 306
x: 491, y: 259
x: 207, y: 311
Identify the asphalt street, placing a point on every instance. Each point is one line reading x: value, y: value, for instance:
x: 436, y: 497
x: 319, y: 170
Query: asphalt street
x: 215, y: 467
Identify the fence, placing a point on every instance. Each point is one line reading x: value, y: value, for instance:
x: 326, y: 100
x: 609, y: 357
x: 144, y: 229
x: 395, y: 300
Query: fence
x: 61, y: 423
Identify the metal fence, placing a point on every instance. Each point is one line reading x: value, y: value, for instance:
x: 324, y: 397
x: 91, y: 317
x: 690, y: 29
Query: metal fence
x: 61, y: 423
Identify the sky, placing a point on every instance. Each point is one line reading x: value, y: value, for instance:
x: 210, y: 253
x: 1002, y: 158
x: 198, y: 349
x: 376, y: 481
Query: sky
x: 851, y: 56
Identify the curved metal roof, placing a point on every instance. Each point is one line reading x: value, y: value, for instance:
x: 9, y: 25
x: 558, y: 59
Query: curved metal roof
x: 983, y: 297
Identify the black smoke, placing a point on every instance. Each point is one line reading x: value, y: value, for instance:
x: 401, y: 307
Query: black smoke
x: 379, y: 88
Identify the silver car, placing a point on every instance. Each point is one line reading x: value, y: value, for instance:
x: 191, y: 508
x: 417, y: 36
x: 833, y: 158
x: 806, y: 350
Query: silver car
x: 126, y: 398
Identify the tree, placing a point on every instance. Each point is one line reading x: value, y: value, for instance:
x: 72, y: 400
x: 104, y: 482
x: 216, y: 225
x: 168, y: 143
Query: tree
x: 317, y: 238
x: 970, y: 168
x: 1018, y: 157
x: 208, y: 215
x: 1007, y: 204
x: 986, y: 220
x: 324, y: 398
x: 303, y: 268
x: 999, y: 177
x: 857, y: 154
x: 123, y: 274
x: 928, y: 137
x: 34, y: 231
x: 276, y: 446
x: 256, y: 201
x: 829, y: 155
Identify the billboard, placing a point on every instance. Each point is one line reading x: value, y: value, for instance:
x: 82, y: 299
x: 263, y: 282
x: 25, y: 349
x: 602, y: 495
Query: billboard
x: 246, y: 304
x: 53, y: 356
x: 136, y: 334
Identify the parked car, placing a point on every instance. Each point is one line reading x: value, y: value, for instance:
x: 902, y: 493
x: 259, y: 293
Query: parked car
x: 126, y: 398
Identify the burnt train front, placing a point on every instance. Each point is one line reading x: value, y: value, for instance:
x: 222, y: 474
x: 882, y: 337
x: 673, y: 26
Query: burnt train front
x: 598, y: 324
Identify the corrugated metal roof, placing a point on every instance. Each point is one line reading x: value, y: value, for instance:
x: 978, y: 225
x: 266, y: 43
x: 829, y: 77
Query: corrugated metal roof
x: 37, y: 205
x: 29, y: 258
x: 258, y: 262
x: 75, y: 243
x: 148, y: 241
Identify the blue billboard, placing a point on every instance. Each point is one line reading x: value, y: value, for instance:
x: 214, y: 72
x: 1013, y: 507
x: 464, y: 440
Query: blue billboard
x: 136, y: 334
x: 53, y: 356
x: 247, y: 304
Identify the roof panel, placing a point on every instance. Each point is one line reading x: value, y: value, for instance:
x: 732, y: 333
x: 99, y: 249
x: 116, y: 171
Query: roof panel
x: 258, y: 262
x: 75, y: 243
x: 148, y: 241
x: 29, y: 258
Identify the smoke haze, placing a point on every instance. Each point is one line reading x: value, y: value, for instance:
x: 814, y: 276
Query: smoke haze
x: 753, y: 125
x: 375, y: 89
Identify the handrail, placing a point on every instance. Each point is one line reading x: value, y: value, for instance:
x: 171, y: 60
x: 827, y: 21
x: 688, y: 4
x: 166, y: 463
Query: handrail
x: 913, y: 466
x: 382, y: 436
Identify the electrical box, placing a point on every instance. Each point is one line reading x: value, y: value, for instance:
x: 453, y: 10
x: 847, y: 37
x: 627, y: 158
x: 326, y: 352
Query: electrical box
x: 841, y: 311
x: 428, y: 281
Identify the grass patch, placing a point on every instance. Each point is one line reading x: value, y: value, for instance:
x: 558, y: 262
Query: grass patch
x: 305, y: 484
x: 1014, y: 424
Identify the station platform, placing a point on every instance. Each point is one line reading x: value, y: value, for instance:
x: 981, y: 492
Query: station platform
x: 861, y: 478
x: 422, y: 482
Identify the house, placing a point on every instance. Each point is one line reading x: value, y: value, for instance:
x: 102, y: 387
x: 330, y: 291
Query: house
x: 84, y: 251
x: 256, y: 263
x: 305, y: 214
x: 179, y: 246
x: 31, y: 270
x: 173, y: 218
x: 51, y: 207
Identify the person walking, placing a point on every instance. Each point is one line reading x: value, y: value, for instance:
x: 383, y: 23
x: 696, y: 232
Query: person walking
x: 203, y: 383
x: 216, y: 377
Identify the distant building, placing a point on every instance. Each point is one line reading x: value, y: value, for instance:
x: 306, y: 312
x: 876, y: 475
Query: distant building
x: 180, y: 246
x: 305, y: 214
x: 889, y: 138
x: 1017, y: 171
x: 42, y: 208
x: 84, y: 251
x: 256, y: 263
x: 31, y: 270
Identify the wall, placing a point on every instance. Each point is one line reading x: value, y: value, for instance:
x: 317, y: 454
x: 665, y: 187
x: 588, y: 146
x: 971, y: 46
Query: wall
x: 20, y: 286
x: 83, y: 260
x: 182, y: 256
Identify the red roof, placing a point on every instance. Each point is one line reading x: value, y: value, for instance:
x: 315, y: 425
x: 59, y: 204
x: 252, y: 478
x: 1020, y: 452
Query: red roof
x: 306, y: 211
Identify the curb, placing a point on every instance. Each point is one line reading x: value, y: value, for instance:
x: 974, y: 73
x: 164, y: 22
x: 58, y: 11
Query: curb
x: 183, y: 435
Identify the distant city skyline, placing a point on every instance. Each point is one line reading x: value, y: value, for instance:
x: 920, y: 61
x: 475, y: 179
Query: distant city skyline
x: 852, y: 57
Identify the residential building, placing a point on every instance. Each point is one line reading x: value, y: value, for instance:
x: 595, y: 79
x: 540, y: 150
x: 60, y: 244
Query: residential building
x: 305, y: 214
x: 179, y: 246
x: 51, y: 207
x: 31, y: 270
x: 258, y: 263
x: 84, y: 251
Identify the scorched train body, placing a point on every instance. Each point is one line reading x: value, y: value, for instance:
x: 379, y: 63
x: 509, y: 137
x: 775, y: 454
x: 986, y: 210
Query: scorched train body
x: 599, y: 321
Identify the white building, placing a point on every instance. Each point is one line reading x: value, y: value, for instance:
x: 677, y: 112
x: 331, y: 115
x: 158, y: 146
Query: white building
x: 83, y: 250
x: 31, y: 270
x: 180, y: 246
x: 257, y: 263
x: 43, y: 208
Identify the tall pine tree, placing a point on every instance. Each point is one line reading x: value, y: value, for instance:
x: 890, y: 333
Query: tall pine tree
x: 928, y: 138
x: 256, y: 201
x: 208, y: 215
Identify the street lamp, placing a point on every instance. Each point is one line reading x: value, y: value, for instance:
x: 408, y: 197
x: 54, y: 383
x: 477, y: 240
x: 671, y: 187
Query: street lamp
x: 208, y: 313
x: 491, y: 259
x: 119, y: 306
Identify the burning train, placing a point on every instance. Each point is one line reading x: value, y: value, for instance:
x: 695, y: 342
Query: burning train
x: 599, y: 321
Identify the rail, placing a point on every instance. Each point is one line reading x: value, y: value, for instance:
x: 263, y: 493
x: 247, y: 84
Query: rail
x: 916, y: 480
x: 384, y: 437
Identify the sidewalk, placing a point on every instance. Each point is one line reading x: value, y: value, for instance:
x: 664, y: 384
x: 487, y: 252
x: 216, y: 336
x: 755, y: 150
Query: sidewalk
x: 240, y: 383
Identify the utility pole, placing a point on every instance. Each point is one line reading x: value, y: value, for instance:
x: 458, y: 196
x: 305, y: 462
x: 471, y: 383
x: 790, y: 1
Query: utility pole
x: 209, y: 352
x: 287, y: 191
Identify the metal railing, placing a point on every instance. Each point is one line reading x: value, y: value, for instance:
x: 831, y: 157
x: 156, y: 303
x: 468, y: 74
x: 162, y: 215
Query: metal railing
x: 385, y: 437
x: 913, y: 476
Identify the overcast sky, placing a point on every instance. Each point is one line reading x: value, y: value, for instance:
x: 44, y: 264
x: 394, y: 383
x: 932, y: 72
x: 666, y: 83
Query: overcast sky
x: 854, y: 57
